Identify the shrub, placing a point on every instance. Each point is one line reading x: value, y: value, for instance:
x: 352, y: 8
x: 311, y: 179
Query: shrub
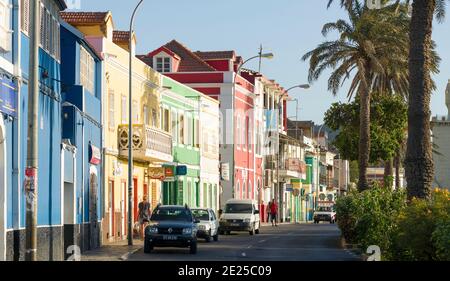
x: 423, y: 230
x: 369, y: 217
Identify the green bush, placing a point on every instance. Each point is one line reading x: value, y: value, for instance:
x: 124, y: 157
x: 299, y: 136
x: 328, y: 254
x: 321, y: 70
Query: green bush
x: 441, y: 241
x: 423, y: 232
x: 369, y: 217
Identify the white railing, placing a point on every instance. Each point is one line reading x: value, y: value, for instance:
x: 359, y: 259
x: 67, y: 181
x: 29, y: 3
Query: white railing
x: 149, y: 144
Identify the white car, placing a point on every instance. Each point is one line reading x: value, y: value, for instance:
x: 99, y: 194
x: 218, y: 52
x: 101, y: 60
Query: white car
x: 208, y: 227
x: 240, y: 215
x: 324, y: 214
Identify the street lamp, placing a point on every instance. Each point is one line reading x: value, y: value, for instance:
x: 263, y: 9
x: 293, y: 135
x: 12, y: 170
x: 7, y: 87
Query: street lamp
x: 130, y: 130
x: 233, y: 94
x: 301, y: 86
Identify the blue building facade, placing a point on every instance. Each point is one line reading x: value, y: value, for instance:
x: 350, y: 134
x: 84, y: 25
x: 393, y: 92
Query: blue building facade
x: 82, y: 189
x: 13, y: 134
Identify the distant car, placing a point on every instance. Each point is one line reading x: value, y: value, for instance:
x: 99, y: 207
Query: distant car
x: 171, y: 226
x: 208, y: 228
x: 240, y: 215
x: 324, y: 214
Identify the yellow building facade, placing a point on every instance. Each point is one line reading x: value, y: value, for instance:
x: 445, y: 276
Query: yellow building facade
x: 151, y: 146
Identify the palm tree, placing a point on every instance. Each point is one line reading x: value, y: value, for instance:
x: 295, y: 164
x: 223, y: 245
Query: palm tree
x: 419, y: 166
x: 372, y: 46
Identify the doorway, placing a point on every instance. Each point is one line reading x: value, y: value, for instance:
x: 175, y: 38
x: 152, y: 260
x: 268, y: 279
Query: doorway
x: 94, y: 241
x: 2, y: 191
x: 135, y: 199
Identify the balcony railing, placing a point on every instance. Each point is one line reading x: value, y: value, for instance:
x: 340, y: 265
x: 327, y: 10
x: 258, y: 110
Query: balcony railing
x: 149, y: 144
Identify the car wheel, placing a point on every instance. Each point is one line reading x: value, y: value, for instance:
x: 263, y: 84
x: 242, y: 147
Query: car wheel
x: 208, y: 237
x: 216, y: 237
x: 257, y: 230
x: 148, y: 247
x: 252, y: 232
x: 193, y: 248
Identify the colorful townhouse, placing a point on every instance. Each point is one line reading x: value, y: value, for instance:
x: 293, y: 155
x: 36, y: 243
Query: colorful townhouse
x: 14, y: 59
x: 9, y: 123
x: 81, y: 158
x: 192, y: 119
x: 214, y: 74
x: 180, y: 118
x: 152, y: 146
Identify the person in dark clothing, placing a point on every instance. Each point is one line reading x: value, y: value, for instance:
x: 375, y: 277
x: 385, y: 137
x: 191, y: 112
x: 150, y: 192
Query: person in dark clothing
x: 144, y: 215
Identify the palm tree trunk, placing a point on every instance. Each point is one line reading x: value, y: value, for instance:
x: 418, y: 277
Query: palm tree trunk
x: 419, y: 165
x: 364, y: 139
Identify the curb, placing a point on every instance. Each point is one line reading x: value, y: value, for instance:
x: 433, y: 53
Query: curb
x: 126, y: 256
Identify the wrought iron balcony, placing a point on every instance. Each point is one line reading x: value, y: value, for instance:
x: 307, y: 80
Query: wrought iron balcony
x: 149, y: 144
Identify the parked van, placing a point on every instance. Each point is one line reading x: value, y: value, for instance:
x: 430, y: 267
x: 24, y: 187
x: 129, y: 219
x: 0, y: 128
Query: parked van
x: 240, y: 215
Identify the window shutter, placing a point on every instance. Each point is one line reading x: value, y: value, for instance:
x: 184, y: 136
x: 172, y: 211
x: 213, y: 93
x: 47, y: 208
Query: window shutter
x: 42, y: 25
x: 25, y: 16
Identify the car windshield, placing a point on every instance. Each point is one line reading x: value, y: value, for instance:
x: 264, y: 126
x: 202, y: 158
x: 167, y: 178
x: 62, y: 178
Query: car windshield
x: 165, y: 214
x: 236, y: 208
x: 201, y: 214
x: 324, y: 209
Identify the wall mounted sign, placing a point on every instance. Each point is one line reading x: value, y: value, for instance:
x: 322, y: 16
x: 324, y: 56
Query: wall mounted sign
x: 156, y: 173
x: 8, y: 97
x: 181, y: 170
x: 95, y: 156
x: 225, y: 171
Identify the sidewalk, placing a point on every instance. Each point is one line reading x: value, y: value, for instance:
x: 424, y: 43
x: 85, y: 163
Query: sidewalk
x: 118, y: 251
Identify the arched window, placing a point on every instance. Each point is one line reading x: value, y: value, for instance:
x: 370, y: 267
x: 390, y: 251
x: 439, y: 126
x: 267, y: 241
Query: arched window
x: 243, y: 190
x: 237, y: 190
x: 249, y: 190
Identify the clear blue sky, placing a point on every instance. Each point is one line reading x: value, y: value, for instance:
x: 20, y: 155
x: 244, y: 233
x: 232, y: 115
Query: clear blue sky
x: 288, y: 28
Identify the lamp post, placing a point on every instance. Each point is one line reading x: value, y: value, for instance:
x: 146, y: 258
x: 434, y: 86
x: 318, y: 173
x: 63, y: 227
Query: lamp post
x: 318, y: 151
x: 233, y: 94
x: 130, y: 129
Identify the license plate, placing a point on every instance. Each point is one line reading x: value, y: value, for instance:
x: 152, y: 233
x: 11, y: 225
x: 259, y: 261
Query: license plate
x: 234, y: 224
x: 169, y: 237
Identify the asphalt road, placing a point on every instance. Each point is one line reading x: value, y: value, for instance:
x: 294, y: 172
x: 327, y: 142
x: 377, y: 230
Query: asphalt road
x: 287, y: 242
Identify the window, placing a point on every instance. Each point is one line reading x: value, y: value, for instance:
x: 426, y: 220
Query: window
x: 146, y: 115
x: 5, y: 33
x: 124, y: 109
x: 163, y: 64
x: 181, y: 128
x: 249, y: 189
x: 166, y: 120
x: 135, y: 112
x: 154, y: 118
x: 25, y: 17
x: 238, y: 132
x: 112, y: 122
x: 174, y: 126
x: 197, y: 133
x: 87, y: 65
x: 49, y: 28
x: 243, y: 189
x: 189, y: 134
x: 189, y: 192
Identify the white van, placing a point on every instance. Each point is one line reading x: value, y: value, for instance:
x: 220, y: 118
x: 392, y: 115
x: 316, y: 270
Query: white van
x: 240, y: 215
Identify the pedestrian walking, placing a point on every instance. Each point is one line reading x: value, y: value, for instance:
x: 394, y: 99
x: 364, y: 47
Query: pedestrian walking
x: 273, y: 212
x: 268, y: 211
x: 144, y: 215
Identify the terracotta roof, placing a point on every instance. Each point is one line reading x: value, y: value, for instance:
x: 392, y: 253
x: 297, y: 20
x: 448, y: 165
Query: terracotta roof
x: 85, y: 18
x: 121, y: 36
x: 189, y: 61
x: 215, y: 55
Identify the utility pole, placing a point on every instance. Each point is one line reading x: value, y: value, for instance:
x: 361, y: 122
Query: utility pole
x: 260, y: 57
x: 31, y: 171
x: 130, y: 129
